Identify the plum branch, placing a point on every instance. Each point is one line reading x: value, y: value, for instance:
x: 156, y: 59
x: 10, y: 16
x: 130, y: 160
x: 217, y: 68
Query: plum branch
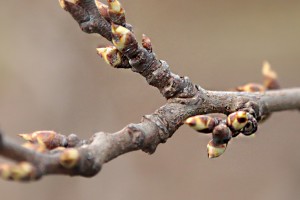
x: 224, y: 114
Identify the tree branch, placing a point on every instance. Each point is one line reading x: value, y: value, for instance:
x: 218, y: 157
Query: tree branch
x: 47, y: 152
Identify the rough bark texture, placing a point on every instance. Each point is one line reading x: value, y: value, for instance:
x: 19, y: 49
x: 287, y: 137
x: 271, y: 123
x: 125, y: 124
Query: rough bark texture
x: 184, y: 99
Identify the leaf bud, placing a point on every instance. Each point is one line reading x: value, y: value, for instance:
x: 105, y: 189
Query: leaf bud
x: 237, y: 120
x: 201, y: 123
x: 214, y: 150
x: 69, y: 158
x: 221, y: 134
x: 146, y: 43
x: 111, y: 55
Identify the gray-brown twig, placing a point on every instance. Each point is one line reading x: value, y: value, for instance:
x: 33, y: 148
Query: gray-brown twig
x: 47, y: 152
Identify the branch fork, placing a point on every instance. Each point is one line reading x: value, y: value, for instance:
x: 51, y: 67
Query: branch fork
x: 48, y: 152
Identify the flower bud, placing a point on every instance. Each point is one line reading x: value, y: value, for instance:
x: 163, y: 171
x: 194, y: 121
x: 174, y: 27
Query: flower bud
x: 146, y: 43
x: 214, y: 150
x: 250, y: 127
x: 22, y: 171
x: 69, y: 158
x: 111, y: 55
x: 201, y: 123
x: 221, y: 134
x: 103, y: 9
x: 62, y: 3
x: 116, y: 12
x: 114, y: 5
x: 270, y: 77
x: 121, y: 36
x: 237, y: 120
x: 251, y: 87
x: 50, y: 139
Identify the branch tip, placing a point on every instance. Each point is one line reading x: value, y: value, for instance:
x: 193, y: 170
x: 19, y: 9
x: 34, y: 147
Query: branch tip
x: 214, y: 151
x: 111, y: 55
x: 114, y: 5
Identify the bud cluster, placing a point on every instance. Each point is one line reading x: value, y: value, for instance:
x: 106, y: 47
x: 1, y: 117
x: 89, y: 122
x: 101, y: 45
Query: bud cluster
x: 22, y: 171
x: 44, y: 140
x: 223, y: 130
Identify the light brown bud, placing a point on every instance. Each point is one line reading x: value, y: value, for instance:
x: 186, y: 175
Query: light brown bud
x: 111, y: 55
x: 237, y: 120
x: 251, y: 87
x: 116, y: 12
x: 22, y: 171
x: 201, y: 123
x: 215, y: 151
x: 50, y: 139
x: 114, y: 5
x: 103, y: 9
x: 270, y: 77
x: 250, y: 127
x: 5, y: 171
x: 121, y: 36
x: 146, y: 42
x: 221, y: 134
x: 69, y: 158
x: 62, y: 3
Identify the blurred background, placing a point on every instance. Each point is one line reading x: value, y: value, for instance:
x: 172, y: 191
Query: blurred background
x: 51, y: 78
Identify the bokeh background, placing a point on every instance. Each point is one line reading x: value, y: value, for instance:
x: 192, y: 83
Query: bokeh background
x: 51, y: 78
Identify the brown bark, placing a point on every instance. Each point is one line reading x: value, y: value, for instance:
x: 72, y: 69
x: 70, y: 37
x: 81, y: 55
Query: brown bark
x: 184, y: 99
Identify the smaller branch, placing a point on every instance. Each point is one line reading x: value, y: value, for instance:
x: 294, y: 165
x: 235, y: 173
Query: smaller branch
x: 14, y: 151
x: 47, y: 152
x: 280, y: 100
x: 154, y: 129
x: 88, y: 15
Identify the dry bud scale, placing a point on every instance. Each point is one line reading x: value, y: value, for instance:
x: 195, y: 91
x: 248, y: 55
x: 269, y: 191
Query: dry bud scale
x: 121, y: 36
x: 221, y: 134
x: 111, y: 55
x: 50, y: 139
x: 116, y: 12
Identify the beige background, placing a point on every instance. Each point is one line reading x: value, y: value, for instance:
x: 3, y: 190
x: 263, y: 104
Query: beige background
x: 51, y: 78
